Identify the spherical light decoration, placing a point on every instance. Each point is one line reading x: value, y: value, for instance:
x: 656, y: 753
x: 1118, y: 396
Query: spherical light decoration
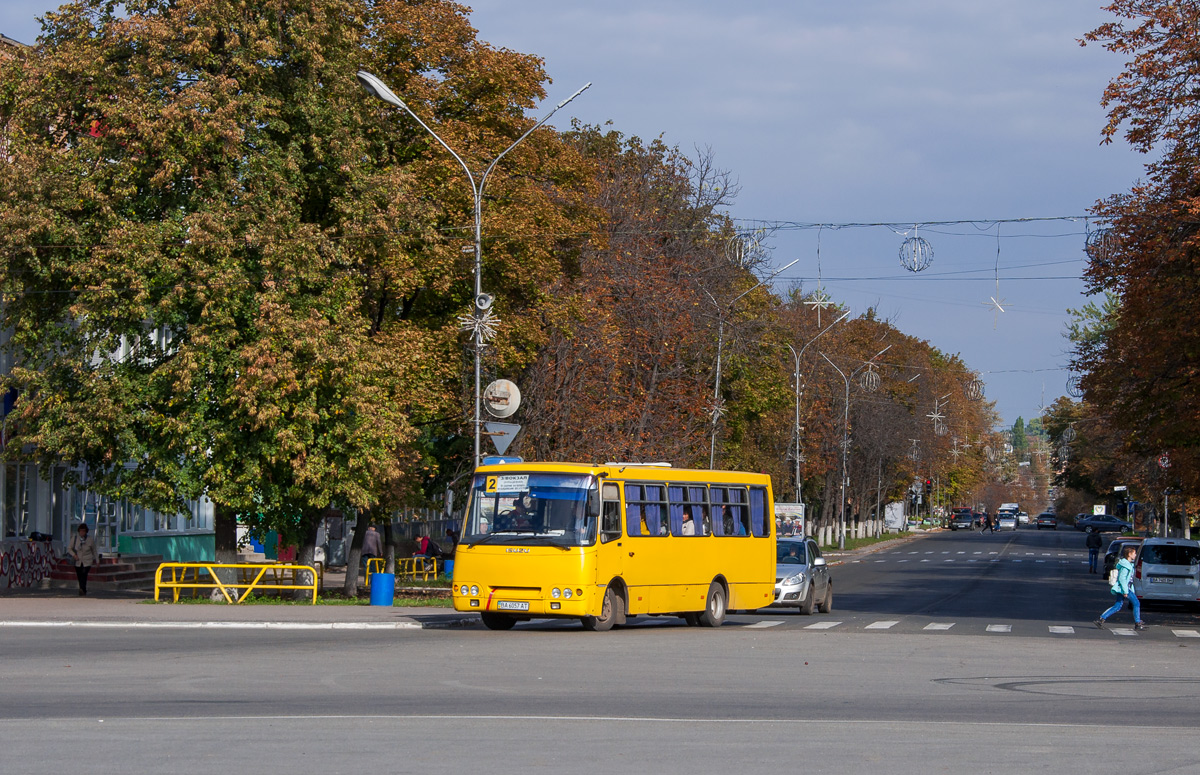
x: 990, y: 452
x: 975, y: 389
x: 939, y: 428
x: 1099, y: 245
x: 1064, y: 452
x: 1075, y: 387
x: 1068, y: 434
x: 916, y: 254
x: 869, y: 380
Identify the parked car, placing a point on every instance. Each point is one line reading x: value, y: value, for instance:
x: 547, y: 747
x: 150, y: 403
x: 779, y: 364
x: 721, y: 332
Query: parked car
x: 1006, y: 521
x: 1115, y: 547
x: 962, y: 520
x: 1047, y: 519
x: 1105, y: 523
x: 1168, y: 569
x: 802, y: 576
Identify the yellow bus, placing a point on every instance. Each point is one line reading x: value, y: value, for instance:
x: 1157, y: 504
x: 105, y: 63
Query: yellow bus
x: 600, y: 543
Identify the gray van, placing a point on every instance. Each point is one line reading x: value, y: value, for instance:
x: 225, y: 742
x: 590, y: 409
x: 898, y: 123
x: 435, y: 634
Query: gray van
x: 1168, y: 569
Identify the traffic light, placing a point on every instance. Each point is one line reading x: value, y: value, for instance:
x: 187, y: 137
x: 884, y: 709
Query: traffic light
x: 928, y: 486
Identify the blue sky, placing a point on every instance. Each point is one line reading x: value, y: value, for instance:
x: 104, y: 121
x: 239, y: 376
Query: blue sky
x: 905, y: 112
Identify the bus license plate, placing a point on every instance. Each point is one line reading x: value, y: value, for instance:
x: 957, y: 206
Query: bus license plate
x: 1161, y: 580
x: 512, y: 605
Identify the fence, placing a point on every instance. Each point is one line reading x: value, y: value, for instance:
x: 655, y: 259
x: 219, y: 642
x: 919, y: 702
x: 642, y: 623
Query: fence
x: 251, y: 577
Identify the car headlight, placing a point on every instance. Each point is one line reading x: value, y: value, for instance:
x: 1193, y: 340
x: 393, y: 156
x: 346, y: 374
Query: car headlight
x: 792, y: 580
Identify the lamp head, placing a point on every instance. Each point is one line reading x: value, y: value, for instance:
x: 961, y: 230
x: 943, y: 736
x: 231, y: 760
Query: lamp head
x: 378, y: 88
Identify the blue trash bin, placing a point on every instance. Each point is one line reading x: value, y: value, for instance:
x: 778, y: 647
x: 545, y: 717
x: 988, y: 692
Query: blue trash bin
x: 383, y: 588
x: 449, y: 566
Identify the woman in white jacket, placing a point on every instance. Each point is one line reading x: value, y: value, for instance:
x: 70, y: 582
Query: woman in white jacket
x: 82, y: 549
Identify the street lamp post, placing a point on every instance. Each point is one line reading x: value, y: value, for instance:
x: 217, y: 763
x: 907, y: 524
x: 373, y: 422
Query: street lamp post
x: 796, y: 356
x: 721, y: 312
x: 483, y: 302
x: 846, y: 436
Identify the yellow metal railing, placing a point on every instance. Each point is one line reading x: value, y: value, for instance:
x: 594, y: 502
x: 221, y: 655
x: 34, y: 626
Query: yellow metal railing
x: 251, y: 577
x: 409, y: 568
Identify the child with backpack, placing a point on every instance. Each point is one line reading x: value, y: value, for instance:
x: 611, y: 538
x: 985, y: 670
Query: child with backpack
x: 1121, y: 579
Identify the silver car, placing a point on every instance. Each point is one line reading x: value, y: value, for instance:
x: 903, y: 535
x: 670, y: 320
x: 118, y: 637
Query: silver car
x: 1169, y: 569
x: 802, y: 576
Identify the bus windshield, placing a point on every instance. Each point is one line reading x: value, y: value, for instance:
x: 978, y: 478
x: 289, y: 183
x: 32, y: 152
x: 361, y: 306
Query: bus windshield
x: 532, y: 509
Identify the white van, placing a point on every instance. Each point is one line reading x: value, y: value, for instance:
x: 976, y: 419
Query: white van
x: 1168, y: 569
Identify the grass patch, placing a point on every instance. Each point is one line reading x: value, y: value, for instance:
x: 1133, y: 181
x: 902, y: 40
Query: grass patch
x: 412, y: 598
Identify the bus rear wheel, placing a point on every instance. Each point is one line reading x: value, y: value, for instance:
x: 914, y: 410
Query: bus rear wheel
x: 714, y: 610
x: 495, y: 621
x: 608, y: 614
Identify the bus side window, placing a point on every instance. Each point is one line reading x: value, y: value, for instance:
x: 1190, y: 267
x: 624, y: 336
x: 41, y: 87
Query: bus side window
x: 610, y: 514
x: 759, y: 523
x: 738, y: 512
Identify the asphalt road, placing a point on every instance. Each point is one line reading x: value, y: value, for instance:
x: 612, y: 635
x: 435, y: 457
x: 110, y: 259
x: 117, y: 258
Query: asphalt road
x: 752, y: 696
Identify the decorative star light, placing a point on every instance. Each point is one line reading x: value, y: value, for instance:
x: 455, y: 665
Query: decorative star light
x: 997, y: 306
x: 717, y: 409
x: 956, y: 452
x: 482, y: 326
x: 819, y: 301
x: 936, y: 415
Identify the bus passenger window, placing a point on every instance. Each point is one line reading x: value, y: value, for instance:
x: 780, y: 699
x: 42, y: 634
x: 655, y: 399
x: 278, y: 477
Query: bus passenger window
x: 760, y: 524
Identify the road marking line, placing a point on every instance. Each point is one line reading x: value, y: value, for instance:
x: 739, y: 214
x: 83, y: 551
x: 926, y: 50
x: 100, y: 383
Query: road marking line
x: 855, y: 562
x: 972, y: 560
x: 928, y: 552
x: 822, y: 626
x: 762, y: 625
x: 1039, y: 560
x: 1028, y: 554
x: 901, y: 560
x: 980, y: 552
x: 938, y: 626
x: 965, y: 552
x: 992, y: 552
x: 885, y: 625
x: 914, y: 552
x: 924, y: 560
x: 945, y: 552
x: 1126, y: 631
x: 881, y: 561
x: 1018, y: 561
x: 999, y: 628
x: 1060, y: 629
x: 1186, y: 633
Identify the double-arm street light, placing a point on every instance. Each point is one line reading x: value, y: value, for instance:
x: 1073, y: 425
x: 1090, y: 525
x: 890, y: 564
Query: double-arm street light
x: 846, y: 436
x: 479, y: 323
x: 796, y: 356
x: 721, y: 313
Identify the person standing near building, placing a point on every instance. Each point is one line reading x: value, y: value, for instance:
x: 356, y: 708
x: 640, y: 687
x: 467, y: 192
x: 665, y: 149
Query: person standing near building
x: 82, y: 549
x: 372, y: 545
x: 1093, y: 544
x: 1124, y: 590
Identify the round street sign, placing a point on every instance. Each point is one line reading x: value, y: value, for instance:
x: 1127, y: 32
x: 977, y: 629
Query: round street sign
x: 502, y: 398
x: 1164, y: 460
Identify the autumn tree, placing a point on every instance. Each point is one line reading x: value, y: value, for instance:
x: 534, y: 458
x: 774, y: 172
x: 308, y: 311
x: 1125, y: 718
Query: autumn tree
x: 229, y: 272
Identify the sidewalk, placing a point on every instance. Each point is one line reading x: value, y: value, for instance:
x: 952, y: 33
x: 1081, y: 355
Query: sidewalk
x: 64, y: 608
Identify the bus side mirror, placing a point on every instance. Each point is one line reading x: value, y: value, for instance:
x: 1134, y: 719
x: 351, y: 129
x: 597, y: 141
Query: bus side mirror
x: 593, y: 503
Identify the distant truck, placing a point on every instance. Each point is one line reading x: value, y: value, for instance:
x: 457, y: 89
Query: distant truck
x: 1009, y: 508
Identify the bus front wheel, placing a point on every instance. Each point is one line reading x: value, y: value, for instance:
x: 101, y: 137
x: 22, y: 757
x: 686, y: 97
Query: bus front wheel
x: 608, y: 614
x: 497, y: 621
x: 714, y: 610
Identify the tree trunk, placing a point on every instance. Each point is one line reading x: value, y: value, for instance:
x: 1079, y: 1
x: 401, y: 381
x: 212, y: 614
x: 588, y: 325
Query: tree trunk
x: 307, y: 550
x: 225, y: 539
x: 354, y: 556
x: 389, y: 546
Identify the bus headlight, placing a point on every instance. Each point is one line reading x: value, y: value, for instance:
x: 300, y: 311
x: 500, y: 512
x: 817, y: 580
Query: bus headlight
x: 474, y: 590
x: 463, y: 590
x: 554, y: 593
x: 567, y: 593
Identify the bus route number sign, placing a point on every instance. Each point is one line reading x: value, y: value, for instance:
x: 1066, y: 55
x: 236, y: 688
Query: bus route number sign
x: 507, y: 483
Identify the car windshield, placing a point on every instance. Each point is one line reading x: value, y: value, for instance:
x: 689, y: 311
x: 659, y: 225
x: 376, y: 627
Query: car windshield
x: 1167, y: 554
x: 789, y: 553
x: 531, y: 509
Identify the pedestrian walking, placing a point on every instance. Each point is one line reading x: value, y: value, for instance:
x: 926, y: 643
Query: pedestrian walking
x: 1093, y: 544
x: 372, y: 546
x: 1123, y: 588
x: 82, y: 549
x: 987, y: 523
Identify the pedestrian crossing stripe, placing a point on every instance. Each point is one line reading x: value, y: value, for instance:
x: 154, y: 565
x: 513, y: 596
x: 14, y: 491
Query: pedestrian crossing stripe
x: 1126, y: 631
x: 822, y: 626
x: 883, y: 625
x: 763, y: 625
x: 1056, y: 629
x: 938, y: 626
x: 1186, y: 633
x: 999, y: 628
